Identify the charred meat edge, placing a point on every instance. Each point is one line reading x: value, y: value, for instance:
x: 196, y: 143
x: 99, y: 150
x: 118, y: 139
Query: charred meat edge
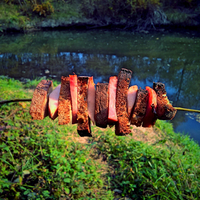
x: 101, y: 105
x: 83, y: 119
x: 64, y: 102
x: 165, y: 110
x: 140, y: 106
x: 122, y: 127
x: 39, y: 103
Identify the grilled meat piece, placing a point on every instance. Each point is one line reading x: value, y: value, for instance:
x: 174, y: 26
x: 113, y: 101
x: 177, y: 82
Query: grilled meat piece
x: 64, y: 102
x: 91, y: 99
x: 112, y: 89
x: 165, y: 110
x: 131, y: 97
x: 122, y: 127
x: 53, y: 102
x: 73, y: 91
x: 140, y: 107
x: 101, y: 105
x: 39, y: 104
x: 83, y: 119
x: 150, y: 116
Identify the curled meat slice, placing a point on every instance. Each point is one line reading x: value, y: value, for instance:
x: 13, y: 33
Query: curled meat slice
x: 91, y: 98
x: 73, y: 91
x: 112, y: 89
x: 131, y: 97
x: 53, y: 102
x: 150, y: 116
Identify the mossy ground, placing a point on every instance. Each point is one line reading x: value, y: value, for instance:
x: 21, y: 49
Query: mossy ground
x: 41, y: 160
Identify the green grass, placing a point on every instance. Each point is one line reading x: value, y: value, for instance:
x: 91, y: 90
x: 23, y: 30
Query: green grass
x: 41, y: 160
x: 10, y: 17
x: 168, y: 169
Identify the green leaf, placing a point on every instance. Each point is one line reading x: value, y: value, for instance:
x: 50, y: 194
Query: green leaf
x: 67, y: 180
x: 67, y: 190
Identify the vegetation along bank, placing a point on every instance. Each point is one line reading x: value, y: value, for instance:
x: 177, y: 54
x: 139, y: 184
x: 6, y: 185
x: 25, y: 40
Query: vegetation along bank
x: 42, y: 160
x: 140, y: 15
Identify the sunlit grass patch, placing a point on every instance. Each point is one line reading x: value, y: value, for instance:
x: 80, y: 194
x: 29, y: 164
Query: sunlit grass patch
x: 42, y: 160
x: 38, y: 161
x: 160, y: 170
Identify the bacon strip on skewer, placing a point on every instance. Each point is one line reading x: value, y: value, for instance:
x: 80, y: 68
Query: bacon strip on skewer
x: 112, y: 89
x: 83, y: 119
x: 53, y: 102
x: 39, y: 103
x: 91, y: 99
x: 150, y: 116
x: 73, y: 91
x: 165, y: 110
x: 140, y: 107
x: 131, y: 97
x: 122, y: 127
x: 101, y: 105
x: 64, y: 102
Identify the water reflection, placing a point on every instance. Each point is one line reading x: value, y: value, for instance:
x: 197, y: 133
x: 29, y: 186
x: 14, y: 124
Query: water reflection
x: 158, y: 58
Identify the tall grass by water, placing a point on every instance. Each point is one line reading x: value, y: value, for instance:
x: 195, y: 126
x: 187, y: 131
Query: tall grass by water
x: 42, y: 160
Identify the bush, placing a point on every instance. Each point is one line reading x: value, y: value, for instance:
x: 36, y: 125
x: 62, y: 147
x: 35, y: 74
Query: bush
x: 43, y: 9
x: 117, y: 8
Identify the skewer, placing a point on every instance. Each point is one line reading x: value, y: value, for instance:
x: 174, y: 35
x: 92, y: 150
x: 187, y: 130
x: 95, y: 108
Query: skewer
x: 187, y: 109
x: 18, y: 100
x: 14, y: 100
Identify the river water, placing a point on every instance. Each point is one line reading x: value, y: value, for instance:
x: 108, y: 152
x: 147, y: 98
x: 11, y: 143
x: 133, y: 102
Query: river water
x: 171, y: 58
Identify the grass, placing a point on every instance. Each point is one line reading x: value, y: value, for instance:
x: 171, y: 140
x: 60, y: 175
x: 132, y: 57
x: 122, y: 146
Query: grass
x: 41, y: 160
x: 10, y: 17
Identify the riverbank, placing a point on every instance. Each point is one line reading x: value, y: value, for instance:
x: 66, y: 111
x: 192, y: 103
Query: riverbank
x: 42, y: 160
x: 64, y: 15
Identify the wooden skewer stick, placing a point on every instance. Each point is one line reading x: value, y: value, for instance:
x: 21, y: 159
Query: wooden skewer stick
x: 14, y: 100
x: 187, y: 109
x: 18, y: 100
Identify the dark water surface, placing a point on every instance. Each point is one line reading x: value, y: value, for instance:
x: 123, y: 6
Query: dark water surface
x: 173, y: 59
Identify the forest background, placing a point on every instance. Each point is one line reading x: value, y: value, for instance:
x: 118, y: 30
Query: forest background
x: 28, y: 15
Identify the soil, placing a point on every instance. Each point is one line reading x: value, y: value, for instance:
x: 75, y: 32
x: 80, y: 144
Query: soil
x: 148, y: 135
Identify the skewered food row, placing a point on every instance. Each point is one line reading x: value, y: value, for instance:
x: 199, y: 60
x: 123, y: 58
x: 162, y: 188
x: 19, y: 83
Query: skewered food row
x: 115, y: 103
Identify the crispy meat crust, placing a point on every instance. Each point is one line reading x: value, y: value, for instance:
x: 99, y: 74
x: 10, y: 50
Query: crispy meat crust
x: 140, y: 107
x: 83, y: 127
x: 39, y: 108
x: 165, y: 110
x: 64, y: 102
x: 122, y: 126
x: 101, y: 105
